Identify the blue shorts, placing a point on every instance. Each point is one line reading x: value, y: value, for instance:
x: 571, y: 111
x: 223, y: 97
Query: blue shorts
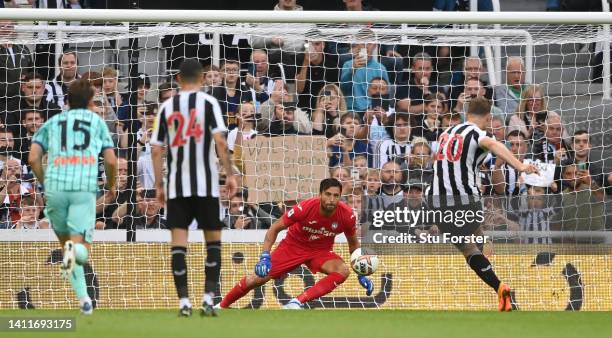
x: 72, y: 213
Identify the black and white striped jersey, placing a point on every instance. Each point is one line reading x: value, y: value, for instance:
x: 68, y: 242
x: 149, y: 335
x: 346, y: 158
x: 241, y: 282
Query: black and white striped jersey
x: 457, y: 161
x: 57, y: 91
x: 185, y: 124
x: 389, y: 150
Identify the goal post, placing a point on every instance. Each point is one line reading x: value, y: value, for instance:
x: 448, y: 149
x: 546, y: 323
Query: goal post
x: 568, y: 269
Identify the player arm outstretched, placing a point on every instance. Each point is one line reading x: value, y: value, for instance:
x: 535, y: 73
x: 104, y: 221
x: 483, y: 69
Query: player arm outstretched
x: 263, y: 267
x: 365, y: 282
x: 500, y: 150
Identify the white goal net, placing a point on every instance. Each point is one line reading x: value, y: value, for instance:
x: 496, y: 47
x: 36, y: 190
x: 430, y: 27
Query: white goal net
x: 363, y: 103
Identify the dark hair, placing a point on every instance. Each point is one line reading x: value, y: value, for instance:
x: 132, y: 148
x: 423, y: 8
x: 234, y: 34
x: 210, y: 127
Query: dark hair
x: 28, y: 201
x: 29, y: 111
x: 479, y: 106
x: 68, y: 52
x: 79, y: 94
x: 32, y: 76
x: 516, y: 133
x: 329, y: 183
x: 164, y: 87
x: 147, y: 193
x: 400, y: 116
x: 94, y: 78
x: 4, y: 130
x: 429, y: 98
x: 191, y: 70
x: 231, y: 61
x: 378, y: 78
x: 581, y: 132
x: 353, y: 116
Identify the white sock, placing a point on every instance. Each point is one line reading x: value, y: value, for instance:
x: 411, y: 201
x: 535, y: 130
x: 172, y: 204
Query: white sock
x: 84, y: 300
x: 184, y: 302
x: 207, y: 299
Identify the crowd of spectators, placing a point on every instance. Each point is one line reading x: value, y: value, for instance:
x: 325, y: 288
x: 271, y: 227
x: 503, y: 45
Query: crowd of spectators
x: 381, y: 112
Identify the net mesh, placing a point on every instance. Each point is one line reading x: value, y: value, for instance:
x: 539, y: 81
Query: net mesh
x: 563, y: 60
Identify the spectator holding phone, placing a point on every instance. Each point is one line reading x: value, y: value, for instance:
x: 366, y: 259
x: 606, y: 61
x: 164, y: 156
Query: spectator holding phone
x: 358, y: 73
x: 259, y: 75
x: 245, y: 131
x: 379, y: 95
x: 410, y: 94
x: 330, y: 107
x: 245, y: 215
x: 267, y: 111
x: 318, y: 70
x: 585, y: 161
x: 530, y: 115
x: 231, y: 93
x: 582, y: 201
x: 344, y: 147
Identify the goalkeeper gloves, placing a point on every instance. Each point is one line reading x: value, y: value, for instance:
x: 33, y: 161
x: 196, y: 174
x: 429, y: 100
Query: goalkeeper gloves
x: 367, y: 284
x: 262, y: 268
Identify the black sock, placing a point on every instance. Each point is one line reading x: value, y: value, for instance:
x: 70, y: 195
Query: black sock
x: 179, y: 270
x: 481, y: 265
x: 212, y: 268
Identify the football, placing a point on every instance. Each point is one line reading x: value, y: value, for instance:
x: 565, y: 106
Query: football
x: 364, y: 262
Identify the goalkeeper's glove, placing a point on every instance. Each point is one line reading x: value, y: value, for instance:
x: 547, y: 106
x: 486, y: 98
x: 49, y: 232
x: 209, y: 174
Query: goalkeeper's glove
x: 262, y: 268
x: 367, y: 284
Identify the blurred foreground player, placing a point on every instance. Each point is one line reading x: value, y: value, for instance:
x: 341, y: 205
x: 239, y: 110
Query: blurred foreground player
x: 73, y: 141
x: 461, y: 152
x: 313, y: 225
x: 189, y: 125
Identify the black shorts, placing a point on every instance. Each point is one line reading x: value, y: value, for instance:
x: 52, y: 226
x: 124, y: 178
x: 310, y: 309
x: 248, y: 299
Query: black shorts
x: 460, y: 218
x: 182, y: 211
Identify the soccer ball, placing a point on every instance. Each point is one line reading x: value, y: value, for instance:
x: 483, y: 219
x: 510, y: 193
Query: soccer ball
x: 363, y: 262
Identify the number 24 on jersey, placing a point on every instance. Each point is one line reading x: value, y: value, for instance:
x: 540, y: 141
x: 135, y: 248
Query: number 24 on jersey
x: 194, y: 129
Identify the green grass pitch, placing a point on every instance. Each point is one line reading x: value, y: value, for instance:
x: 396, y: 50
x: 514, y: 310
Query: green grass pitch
x: 326, y: 323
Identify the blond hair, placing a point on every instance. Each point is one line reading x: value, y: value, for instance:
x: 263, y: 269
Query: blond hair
x: 528, y: 93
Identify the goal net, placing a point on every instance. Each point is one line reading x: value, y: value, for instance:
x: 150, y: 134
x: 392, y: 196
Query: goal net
x: 364, y: 103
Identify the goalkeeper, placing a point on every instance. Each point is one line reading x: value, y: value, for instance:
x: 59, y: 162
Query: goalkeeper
x: 312, y: 227
x: 73, y: 141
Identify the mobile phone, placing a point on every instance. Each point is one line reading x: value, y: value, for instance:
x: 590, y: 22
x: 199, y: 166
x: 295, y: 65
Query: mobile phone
x: 541, y: 116
x: 327, y: 93
x: 343, y: 131
x: 363, y: 53
x: 251, y: 68
x: 581, y: 166
x: 376, y: 102
x: 355, y: 174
